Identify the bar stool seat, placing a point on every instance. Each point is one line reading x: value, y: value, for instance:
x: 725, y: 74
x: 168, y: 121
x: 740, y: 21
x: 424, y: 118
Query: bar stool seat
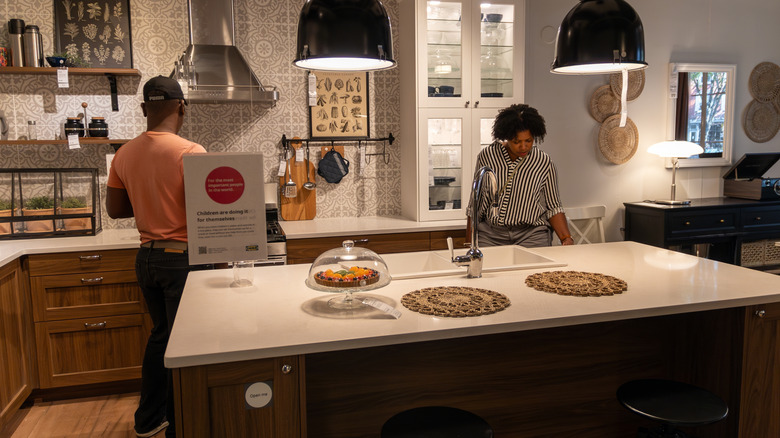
x: 436, y: 422
x: 672, y: 404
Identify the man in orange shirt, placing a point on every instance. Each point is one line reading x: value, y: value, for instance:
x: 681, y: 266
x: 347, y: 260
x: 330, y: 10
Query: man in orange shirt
x: 146, y: 181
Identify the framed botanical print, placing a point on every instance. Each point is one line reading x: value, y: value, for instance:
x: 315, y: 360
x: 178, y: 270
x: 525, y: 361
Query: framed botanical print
x: 341, y: 111
x: 97, y: 32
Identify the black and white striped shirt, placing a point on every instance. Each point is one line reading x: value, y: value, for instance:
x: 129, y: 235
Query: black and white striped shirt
x: 530, y: 197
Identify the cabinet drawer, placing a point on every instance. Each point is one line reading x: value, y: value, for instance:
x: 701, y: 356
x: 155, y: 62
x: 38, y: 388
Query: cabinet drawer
x: 710, y: 222
x: 91, y: 350
x: 86, y: 295
x: 761, y: 218
x: 86, y: 261
x: 306, y: 250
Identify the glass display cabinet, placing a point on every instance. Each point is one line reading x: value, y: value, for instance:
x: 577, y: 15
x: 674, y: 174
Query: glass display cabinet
x: 468, y: 64
x: 49, y: 203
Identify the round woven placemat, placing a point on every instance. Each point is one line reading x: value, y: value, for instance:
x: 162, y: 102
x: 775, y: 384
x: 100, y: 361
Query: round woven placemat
x: 761, y: 121
x: 618, y: 144
x: 455, y: 301
x: 764, y: 82
x: 636, y: 83
x: 604, y: 103
x: 584, y: 284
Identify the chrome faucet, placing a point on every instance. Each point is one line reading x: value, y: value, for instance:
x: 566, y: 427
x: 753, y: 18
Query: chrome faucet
x: 473, y: 257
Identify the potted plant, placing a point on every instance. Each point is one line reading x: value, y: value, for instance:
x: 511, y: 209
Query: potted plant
x: 75, y: 206
x: 5, y: 211
x: 39, y: 206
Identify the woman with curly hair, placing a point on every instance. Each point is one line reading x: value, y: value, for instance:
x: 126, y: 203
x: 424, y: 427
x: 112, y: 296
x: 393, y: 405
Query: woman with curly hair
x: 525, y: 207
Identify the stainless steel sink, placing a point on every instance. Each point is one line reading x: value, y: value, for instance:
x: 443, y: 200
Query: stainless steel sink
x: 437, y: 263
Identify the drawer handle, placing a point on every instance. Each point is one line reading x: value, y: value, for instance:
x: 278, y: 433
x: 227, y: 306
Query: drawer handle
x: 90, y: 258
x: 722, y: 220
x: 760, y: 313
x: 687, y: 223
x: 360, y: 240
x: 95, y: 326
x: 92, y: 280
x: 758, y: 218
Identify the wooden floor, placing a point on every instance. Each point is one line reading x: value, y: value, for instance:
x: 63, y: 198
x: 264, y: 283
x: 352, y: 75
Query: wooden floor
x: 105, y: 417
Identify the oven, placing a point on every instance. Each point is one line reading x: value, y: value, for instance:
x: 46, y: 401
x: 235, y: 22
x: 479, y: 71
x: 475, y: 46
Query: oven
x: 277, y: 241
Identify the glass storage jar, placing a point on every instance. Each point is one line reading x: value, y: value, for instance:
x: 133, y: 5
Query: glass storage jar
x: 74, y: 126
x: 98, y: 127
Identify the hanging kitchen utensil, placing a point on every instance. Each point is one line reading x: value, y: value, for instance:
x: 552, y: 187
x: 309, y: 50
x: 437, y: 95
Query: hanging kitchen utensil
x: 309, y: 184
x: 290, y: 189
x: 303, y: 206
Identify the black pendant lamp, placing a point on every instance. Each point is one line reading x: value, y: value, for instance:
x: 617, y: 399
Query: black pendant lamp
x: 344, y: 35
x: 600, y: 36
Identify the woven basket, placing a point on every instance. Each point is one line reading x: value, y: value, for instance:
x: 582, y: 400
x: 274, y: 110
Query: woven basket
x: 618, y: 144
x: 604, y: 103
x: 761, y: 121
x: 764, y: 82
x: 636, y: 83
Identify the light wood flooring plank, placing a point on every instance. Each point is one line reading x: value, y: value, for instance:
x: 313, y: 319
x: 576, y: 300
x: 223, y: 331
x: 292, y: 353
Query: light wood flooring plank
x: 94, y: 417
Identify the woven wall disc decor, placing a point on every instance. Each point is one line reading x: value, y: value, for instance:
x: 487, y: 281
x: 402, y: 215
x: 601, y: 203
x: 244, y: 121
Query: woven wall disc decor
x: 764, y: 81
x: 636, y: 83
x: 455, y: 301
x: 583, y: 284
x: 604, y: 103
x: 761, y: 121
x: 618, y: 144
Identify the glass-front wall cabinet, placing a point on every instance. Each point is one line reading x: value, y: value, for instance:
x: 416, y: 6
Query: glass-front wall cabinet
x: 471, y: 52
x: 451, y: 148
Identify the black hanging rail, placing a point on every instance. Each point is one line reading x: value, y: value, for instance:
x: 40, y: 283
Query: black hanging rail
x: 386, y: 140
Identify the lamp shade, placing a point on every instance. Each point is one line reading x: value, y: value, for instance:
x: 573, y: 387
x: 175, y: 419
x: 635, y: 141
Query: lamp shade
x: 599, y: 36
x: 344, y: 35
x: 675, y: 149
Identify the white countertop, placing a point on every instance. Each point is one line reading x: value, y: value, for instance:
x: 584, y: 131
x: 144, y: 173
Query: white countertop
x: 279, y: 314
x: 105, y: 240
x: 344, y: 226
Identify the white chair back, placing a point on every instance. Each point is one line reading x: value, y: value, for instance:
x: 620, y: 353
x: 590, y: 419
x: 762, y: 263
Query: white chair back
x: 586, y: 223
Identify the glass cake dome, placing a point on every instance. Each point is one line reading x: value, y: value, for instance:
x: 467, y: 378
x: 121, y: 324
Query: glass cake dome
x: 346, y: 270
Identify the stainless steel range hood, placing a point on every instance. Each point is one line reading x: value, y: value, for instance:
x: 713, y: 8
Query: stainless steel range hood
x: 212, y: 67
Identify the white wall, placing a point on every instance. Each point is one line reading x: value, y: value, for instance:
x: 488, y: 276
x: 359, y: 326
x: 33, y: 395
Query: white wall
x: 743, y: 32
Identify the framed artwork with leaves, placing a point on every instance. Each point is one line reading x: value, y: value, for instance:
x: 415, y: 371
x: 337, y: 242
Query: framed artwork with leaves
x: 94, y: 31
x: 341, y: 111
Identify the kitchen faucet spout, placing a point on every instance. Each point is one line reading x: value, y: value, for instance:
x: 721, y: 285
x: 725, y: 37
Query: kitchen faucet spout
x: 473, y: 257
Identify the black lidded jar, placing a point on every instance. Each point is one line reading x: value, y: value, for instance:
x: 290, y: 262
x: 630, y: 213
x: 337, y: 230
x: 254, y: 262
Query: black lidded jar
x: 74, y: 126
x: 98, y: 127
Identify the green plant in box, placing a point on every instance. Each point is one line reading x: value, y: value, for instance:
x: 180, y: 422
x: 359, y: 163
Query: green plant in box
x: 39, y: 203
x: 73, y: 203
x: 5, y: 205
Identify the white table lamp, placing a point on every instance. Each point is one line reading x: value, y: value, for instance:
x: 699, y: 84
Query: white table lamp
x: 675, y: 150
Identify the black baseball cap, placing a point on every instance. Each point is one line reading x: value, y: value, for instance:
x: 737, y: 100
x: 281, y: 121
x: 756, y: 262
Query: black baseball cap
x: 162, y: 88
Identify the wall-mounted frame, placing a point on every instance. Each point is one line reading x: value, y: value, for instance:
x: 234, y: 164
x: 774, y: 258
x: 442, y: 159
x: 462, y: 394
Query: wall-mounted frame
x: 341, y: 111
x: 97, y: 32
x: 711, y: 124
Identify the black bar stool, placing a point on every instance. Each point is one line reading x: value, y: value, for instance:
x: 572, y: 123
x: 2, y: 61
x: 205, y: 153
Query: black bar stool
x: 436, y: 422
x: 672, y: 404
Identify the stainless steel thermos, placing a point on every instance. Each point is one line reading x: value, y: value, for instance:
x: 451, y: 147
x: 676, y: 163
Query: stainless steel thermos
x: 15, y: 32
x: 33, y: 46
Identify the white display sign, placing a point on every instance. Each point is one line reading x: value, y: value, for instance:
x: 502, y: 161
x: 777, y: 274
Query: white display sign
x: 225, y: 207
x: 258, y: 395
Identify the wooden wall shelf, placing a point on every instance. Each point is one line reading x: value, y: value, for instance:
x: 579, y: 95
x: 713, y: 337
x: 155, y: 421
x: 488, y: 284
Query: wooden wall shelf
x: 71, y: 70
x: 82, y: 140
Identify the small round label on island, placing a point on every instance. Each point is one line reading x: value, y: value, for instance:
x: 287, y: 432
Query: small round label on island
x: 258, y: 394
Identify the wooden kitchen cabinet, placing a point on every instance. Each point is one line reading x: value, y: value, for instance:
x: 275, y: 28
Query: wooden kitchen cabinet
x: 761, y: 372
x: 91, y: 324
x: 211, y: 400
x: 15, y: 342
x: 307, y: 250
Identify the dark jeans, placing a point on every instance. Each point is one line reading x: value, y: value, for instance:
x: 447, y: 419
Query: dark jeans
x: 161, y: 276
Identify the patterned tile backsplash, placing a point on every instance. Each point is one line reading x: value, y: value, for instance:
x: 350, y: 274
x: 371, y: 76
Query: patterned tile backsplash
x: 265, y: 34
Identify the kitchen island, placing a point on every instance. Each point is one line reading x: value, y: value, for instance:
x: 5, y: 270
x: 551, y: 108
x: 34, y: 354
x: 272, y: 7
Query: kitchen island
x: 547, y: 365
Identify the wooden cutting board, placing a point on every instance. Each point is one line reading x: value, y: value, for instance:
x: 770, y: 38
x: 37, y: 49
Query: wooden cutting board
x: 304, y: 205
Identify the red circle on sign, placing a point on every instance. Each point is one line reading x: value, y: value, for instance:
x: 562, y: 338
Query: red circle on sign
x: 224, y: 185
